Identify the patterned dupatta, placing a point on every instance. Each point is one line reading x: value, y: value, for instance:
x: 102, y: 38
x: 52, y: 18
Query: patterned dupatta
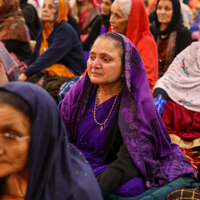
x: 9, y: 65
x: 142, y: 129
x: 12, y: 23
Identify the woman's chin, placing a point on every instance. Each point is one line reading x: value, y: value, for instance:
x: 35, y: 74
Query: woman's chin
x: 95, y: 80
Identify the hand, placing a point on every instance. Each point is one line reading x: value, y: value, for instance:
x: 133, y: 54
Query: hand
x: 22, y: 77
x: 160, y: 103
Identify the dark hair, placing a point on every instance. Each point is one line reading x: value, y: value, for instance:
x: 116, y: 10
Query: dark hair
x: 175, y: 21
x: 118, y: 42
x: 16, y: 102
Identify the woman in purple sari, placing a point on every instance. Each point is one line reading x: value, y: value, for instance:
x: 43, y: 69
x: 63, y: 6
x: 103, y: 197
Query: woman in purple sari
x: 111, y: 118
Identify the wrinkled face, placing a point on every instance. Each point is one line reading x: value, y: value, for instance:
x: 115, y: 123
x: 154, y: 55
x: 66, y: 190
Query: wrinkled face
x: 13, y: 158
x: 48, y: 11
x: 104, y: 64
x: 164, y: 11
x: 105, y: 7
x: 117, y: 20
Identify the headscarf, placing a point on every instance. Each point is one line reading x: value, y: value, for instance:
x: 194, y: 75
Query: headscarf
x: 142, y: 129
x: 12, y: 23
x: 57, y: 170
x: 61, y: 11
x: 10, y: 66
x: 182, y: 79
x: 175, y: 21
x: 139, y: 34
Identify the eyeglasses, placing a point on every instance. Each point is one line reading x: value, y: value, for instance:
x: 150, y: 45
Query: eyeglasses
x: 12, y: 140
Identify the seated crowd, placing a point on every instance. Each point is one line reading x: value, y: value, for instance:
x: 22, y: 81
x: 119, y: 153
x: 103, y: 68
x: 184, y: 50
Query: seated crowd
x: 120, y: 116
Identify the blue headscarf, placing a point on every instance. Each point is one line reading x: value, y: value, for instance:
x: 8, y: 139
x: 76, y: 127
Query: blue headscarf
x: 57, y: 170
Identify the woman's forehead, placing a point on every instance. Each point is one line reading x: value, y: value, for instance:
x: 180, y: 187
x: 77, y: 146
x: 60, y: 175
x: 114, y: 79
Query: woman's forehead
x: 49, y: 2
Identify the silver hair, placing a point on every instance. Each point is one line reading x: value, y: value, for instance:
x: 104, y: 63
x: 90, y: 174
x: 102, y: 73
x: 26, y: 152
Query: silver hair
x: 125, y: 7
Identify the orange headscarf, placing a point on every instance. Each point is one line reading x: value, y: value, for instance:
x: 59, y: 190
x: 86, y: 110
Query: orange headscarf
x: 139, y: 34
x: 62, y: 16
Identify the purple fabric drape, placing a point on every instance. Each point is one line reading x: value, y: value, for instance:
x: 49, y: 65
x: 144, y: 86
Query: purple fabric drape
x: 143, y: 131
x: 90, y: 140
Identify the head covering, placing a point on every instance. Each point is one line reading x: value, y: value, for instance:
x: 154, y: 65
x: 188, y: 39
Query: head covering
x: 182, y: 79
x: 139, y: 34
x: 57, y: 170
x: 176, y: 18
x: 61, y: 11
x: 10, y: 66
x: 142, y: 129
x: 12, y: 23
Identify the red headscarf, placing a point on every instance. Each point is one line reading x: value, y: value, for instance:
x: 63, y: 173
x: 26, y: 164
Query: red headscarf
x: 139, y: 33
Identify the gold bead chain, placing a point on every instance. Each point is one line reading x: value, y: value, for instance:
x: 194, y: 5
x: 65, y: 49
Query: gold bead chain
x: 95, y: 107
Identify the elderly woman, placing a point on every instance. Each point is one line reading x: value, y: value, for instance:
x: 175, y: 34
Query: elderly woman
x: 58, y: 49
x: 116, y: 126
x: 36, y: 160
x: 128, y: 17
x: 169, y: 32
x: 180, y: 86
x: 13, y: 31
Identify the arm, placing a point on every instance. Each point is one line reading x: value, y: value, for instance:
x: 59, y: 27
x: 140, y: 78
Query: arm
x: 35, y: 53
x: 11, y: 45
x: 119, y: 171
x: 62, y: 44
x: 158, y: 91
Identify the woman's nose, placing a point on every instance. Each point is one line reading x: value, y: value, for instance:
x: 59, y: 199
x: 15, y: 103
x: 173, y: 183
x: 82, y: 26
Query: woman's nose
x: 162, y: 11
x: 111, y: 18
x: 1, y: 151
x: 96, y: 63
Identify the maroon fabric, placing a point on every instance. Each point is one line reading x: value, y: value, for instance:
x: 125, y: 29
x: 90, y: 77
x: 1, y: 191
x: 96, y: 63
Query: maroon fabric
x: 180, y: 121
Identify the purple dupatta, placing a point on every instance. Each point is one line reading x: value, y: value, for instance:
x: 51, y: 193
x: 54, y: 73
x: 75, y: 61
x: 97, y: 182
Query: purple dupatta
x: 142, y: 129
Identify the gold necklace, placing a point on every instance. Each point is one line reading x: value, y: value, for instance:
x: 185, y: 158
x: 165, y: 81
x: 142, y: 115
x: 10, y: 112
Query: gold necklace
x: 95, y: 107
x: 18, y: 188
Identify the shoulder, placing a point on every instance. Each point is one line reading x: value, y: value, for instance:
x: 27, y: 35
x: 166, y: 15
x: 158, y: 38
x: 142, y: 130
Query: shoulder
x: 182, y: 30
x: 153, y: 28
x: 74, y: 93
x: 190, y: 52
x: 65, y: 28
x: 194, y: 46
